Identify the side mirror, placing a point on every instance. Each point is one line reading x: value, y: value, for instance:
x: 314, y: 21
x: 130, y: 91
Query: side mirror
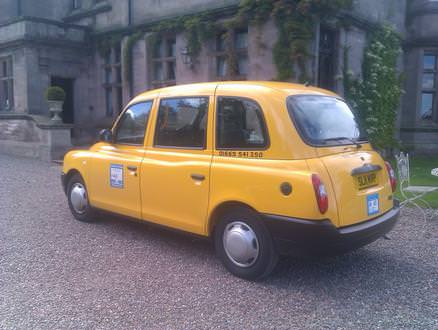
x: 106, y: 135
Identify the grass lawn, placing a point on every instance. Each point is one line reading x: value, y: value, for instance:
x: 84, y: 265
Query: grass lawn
x: 420, y: 176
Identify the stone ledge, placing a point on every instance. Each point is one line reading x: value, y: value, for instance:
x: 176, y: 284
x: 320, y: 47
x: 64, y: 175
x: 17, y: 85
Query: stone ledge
x: 419, y: 129
x: 40, y: 121
x: 32, y: 150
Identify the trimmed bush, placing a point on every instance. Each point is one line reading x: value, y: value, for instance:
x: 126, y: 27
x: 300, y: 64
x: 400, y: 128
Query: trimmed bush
x: 55, y: 93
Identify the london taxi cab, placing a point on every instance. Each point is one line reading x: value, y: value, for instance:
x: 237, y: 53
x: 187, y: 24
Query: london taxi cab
x: 262, y: 168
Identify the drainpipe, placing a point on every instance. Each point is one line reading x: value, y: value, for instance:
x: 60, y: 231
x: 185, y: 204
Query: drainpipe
x: 130, y: 82
x: 129, y: 12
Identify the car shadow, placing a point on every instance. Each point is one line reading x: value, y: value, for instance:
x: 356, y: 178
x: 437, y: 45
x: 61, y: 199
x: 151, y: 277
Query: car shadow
x: 149, y: 231
x: 371, y: 265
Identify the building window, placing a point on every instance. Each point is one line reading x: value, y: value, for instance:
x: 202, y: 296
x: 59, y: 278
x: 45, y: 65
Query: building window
x: 233, y: 42
x: 428, y: 87
x: 164, y: 62
x: 112, y: 82
x: 6, y: 84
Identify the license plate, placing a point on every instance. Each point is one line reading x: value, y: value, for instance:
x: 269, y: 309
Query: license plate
x: 365, y: 181
x: 373, y: 204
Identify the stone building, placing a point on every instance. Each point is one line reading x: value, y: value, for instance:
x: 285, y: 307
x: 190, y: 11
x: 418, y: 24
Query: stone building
x: 80, y: 45
x: 419, y: 120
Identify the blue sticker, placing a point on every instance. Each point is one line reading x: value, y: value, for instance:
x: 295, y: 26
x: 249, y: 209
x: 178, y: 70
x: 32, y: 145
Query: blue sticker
x: 373, y: 204
x: 116, y: 176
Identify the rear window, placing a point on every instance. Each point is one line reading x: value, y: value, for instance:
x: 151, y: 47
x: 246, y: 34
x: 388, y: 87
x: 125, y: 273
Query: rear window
x: 240, y: 124
x: 324, y: 120
x: 182, y: 122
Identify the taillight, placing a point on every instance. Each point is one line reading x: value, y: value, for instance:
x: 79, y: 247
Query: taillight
x: 320, y: 193
x: 392, y: 178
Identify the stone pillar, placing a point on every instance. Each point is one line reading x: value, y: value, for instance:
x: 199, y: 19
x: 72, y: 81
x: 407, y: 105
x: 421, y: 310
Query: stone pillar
x: 56, y: 141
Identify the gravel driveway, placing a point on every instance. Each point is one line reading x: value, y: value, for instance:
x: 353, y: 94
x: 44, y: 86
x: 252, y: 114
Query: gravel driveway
x: 57, y: 273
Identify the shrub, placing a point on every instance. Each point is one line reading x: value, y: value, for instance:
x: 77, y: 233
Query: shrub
x: 55, y: 93
x: 376, y: 95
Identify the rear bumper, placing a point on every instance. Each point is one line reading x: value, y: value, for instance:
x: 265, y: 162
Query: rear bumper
x: 307, y: 237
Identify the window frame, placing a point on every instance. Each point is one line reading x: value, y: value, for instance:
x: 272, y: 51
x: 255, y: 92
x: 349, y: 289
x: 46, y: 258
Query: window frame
x: 117, y: 123
x: 217, y: 53
x: 112, y: 65
x: 264, y: 125
x: 156, y: 130
x: 9, y: 79
x: 433, y: 91
x: 164, y: 61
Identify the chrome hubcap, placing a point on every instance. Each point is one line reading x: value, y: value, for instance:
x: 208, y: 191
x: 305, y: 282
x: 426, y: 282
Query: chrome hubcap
x: 78, y: 198
x: 241, y: 244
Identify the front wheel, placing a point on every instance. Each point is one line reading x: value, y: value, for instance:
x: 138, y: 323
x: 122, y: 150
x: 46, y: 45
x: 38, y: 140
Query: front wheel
x: 78, y: 199
x: 244, y: 245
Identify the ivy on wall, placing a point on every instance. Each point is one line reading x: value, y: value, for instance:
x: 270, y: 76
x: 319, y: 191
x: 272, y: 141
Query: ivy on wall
x: 295, y: 21
x: 197, y: 30
x: 105, y: 45
x: 375, y: 96
x: 127, y: 54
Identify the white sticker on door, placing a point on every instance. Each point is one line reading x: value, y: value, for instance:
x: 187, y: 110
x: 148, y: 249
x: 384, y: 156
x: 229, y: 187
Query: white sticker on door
x: 116, y: 176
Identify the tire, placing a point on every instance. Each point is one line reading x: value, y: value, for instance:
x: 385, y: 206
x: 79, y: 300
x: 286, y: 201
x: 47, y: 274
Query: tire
x: 232, y: 237
x: 82, y: 211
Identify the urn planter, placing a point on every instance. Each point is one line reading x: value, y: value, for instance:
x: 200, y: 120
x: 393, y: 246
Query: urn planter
x: 55, y: 108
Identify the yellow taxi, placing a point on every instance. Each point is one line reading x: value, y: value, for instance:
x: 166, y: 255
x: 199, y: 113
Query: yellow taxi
x: 262, y: 168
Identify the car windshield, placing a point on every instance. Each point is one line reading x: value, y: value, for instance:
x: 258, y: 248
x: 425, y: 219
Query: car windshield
x: 324, y: 120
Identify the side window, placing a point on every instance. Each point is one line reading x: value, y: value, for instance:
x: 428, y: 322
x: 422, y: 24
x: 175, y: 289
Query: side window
x: 240, y: 124
x: 182, y: 122
x: 131, y: 128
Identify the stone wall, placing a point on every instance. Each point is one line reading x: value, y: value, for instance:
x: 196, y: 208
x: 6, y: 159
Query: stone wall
x: 153, y: 10
x: 8, y: 10
x: 421, y: 37
x: 49, y: 9
x: 19, y: 130
x: 391, y: 12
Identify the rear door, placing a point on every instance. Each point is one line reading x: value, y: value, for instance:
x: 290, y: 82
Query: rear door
x: 175, y: 174
x: 361, y: 184
x: 357, y: 173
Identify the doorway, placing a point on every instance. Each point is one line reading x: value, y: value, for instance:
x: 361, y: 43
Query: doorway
x: 68, y: 115
x: 327, y: 58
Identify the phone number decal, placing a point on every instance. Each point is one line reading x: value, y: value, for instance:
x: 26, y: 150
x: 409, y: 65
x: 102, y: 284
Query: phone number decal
x: 241, y: 154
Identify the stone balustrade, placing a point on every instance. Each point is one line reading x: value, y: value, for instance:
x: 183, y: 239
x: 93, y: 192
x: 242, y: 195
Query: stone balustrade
x: 34, y: 137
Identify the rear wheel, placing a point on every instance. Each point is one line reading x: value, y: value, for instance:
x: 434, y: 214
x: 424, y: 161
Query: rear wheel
x: 244, y: 244
x: 78, y: 199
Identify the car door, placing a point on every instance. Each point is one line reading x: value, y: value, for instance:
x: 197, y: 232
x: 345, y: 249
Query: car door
x: 115, y: 168
x: 175, y: 174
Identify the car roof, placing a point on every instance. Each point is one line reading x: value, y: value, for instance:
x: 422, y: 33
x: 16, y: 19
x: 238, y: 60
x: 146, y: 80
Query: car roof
x: 285, y: 87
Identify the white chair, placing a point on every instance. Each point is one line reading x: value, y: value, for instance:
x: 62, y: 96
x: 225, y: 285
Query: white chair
x: 412, y: 195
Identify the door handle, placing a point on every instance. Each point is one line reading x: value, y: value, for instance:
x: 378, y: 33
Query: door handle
x: 132, y: 168
x: 198, y: 177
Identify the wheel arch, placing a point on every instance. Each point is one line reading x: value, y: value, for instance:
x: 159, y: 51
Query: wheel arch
x: 221, y: 209
x: 68, y: 176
